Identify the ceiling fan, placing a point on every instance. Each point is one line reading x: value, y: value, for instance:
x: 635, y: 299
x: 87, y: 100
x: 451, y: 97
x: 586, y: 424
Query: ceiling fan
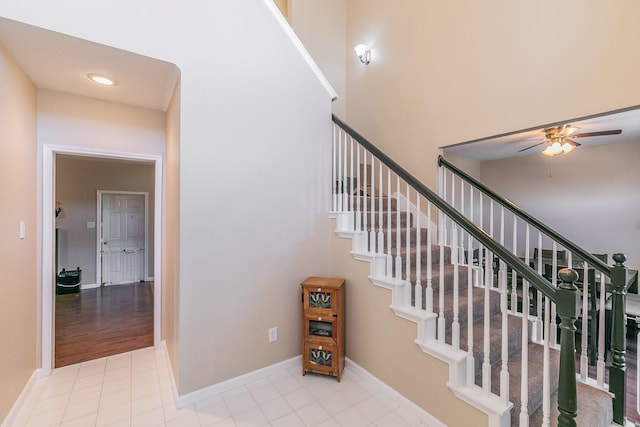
x: 556, y: 138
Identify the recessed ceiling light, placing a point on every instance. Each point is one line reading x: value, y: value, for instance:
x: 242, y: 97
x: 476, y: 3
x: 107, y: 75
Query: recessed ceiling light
x: 101, y: 79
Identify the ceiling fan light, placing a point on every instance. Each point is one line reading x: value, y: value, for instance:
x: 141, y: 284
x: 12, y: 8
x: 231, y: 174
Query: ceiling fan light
x: 553, y: 149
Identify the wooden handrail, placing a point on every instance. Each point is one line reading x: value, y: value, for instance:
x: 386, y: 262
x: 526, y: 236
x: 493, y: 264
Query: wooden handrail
x: 528, y: 273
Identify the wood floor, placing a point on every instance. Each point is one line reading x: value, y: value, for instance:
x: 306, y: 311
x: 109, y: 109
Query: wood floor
x: 101, y: 322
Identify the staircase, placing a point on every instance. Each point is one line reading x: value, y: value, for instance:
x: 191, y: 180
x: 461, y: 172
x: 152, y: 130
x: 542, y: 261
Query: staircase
x: 420, y: 250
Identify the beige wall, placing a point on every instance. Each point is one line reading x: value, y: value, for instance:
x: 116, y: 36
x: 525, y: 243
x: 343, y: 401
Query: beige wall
x: 18, y: 258
x: 590, y: 196
x: 456, y: 71
x: 77, y: 181
x: 322, y: 28
x: 76, y: 121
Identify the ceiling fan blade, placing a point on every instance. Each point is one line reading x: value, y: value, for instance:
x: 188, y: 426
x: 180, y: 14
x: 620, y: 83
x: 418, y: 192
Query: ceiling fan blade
x: 534, y: 145
x: 600, y: 133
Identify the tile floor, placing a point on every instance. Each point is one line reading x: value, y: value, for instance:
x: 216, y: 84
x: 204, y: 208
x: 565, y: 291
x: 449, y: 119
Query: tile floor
x: 134, y: 389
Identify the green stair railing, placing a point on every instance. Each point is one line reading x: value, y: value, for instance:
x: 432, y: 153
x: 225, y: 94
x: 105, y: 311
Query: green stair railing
x: 618, y: 279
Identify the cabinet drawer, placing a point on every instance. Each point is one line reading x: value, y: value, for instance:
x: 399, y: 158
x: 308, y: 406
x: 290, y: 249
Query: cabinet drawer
x: 320, y: 300
x: 320, y: 358
x: 320, y: 328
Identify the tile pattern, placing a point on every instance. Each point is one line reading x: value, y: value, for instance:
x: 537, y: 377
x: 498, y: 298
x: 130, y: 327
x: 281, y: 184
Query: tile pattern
x: 134, y: 389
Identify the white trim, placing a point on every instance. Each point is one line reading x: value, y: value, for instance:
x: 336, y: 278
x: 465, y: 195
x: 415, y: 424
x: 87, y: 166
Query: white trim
x: 271, y: 5
x: 88, y: 286
x: 17, y: 406
x: 48, y: 228
x: 411, y: 408
x: 219, y: 388
x: 100, y: 194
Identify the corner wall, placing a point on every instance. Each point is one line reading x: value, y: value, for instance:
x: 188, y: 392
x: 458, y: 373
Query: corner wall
x: 18, y: 257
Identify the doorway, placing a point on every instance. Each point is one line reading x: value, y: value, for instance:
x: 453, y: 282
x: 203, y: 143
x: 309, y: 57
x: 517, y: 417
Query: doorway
x: 48, y: 220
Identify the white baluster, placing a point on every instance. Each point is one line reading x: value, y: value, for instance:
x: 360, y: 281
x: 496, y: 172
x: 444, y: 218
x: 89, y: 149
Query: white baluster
x: 380, y: 226
x: 524, y: 383
x: 514, y: 273
x: 546, y: 376
x: 351, y: 189
x: 398, y: 232
x: 462, y: 233
x: 365, y: 199
x: 486, y: 364
x: 429, y: 295
x: 345, y: 195
x: 584, y: 358
x: 441, y: 319
x: 471, y: 374
x: 601, y: 331
x: 538, y: 322
x: 418, y: 287
x: 359, y: 197
x: 455, y: 324
x: 372, y: 231
x: 339, y: 171
x: 453, y: 224
x: 408, y: 237
x: 504, y: 296
x: 554, y: 281
x: 334, y: 195
x: 389, y: 226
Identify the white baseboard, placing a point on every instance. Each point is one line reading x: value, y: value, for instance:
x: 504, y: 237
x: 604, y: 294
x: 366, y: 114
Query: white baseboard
x: 17, y: 406
x: 88, y: 286
x: 411, y: 408
x: 150, y: 279
x: 216, y: 389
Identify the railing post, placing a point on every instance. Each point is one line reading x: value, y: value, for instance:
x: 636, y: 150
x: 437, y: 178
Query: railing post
x: 566, y: 305
x: 618, y: 368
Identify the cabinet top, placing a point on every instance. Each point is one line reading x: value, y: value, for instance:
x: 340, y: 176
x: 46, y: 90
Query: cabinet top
x: 323, y: 282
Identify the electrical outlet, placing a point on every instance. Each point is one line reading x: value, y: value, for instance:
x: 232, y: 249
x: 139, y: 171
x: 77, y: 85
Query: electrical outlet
x: 273, y: 334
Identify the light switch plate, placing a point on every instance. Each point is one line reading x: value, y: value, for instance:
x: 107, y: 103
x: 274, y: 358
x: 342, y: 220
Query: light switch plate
x: 22, y: 230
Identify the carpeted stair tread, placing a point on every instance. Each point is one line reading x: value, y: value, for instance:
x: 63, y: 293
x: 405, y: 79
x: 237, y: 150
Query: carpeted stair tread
x: 495, y: 340
x: 373, y: 201
x: 594, y: 408
x: 424, y: 254
x: 478, y: 306
x: 535, y: 389
x: 448, y: 274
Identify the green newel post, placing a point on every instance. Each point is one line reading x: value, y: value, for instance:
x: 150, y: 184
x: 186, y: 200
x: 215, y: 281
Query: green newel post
x: 566, y: 304
x: 618, y: 368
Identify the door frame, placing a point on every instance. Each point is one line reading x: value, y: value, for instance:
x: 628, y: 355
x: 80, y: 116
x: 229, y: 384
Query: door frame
x: 49, y: 153
x: 145, y: 264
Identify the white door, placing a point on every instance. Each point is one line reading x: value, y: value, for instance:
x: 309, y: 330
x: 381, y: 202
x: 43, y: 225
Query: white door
x: 123, y: 238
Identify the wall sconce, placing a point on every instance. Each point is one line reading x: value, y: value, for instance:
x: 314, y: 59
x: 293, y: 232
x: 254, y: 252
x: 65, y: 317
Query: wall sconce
x: 364, y: 53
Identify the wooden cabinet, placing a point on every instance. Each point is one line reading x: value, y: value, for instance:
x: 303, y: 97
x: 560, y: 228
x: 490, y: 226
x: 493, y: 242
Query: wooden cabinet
x: 323, y: 326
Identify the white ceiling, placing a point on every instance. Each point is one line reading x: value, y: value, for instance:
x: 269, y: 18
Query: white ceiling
x: 61, y: 63
x: 508, y: 145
